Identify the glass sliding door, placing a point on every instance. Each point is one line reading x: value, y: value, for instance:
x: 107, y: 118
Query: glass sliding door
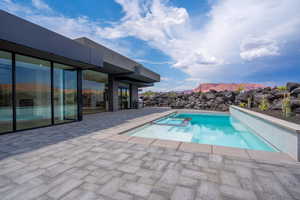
x: 31, y: 98
x: 124, y: 96
x: 33, y: 92
x: 120, y: 103
x: 127, y: 98
x: 94, y: 90
x: 6, y: 110
x: 64, y: 93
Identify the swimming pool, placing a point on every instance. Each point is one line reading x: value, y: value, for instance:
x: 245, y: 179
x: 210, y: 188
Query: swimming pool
x: 214, y: 129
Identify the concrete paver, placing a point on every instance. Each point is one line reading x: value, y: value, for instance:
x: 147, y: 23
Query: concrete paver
x: 74, y: 161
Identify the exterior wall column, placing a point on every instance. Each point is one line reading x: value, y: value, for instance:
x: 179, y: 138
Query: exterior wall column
x: 112, y: 93
x: 133, y: 95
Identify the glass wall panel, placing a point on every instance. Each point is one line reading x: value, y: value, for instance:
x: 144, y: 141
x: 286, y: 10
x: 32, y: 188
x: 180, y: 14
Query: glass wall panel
x: 6, y: 114
x: 124, y: 96
x: 94, y: 90
x: 120, y: 98
x: 128, y: 98
x: 65, y: 93
x: 33, y: 92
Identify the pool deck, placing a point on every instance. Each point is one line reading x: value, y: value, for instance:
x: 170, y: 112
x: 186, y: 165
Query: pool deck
x: 91, y: 160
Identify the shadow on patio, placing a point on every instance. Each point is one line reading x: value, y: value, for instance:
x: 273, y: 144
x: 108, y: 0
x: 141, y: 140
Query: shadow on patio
x: 26, y: 141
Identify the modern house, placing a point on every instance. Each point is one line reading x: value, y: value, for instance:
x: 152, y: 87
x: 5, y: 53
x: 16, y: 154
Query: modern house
x: 48, y: 79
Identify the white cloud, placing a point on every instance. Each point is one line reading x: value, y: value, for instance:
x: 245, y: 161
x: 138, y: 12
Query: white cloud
x: 253, y: 48
x: 154, y: 62
x: 72, y: 27
x: 234, y: 31
x: 39, y: 4
x: 151, y: 21
x: 198, y: 80
x: 10, y: 6
x: 164, y: 78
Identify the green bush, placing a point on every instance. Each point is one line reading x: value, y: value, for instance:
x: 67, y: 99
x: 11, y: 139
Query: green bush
x: 282, y: 88
x: 264, y: 104
x: 243, y: 105
x: 149, y: 93
x: 286, y: 105
x: 240, y: 88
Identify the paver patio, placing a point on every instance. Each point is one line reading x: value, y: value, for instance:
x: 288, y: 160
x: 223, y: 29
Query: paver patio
x: 87, y: 160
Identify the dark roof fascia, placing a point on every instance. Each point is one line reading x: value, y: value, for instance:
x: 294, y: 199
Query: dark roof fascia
x: 115, y: 59
x: 19, y: 31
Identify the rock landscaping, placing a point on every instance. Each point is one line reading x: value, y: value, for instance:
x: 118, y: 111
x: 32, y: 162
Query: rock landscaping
x: 267, y: 100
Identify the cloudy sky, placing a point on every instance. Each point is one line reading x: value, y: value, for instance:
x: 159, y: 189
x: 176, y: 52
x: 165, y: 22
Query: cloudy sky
x: 186, y: 41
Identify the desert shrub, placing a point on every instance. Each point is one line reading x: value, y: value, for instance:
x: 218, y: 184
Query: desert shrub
x: 243, y: 105
x: 264, y: 104
x: 282, y: 88
x: 286, y: 105
x: 240, y: 88
x: 148, y: 93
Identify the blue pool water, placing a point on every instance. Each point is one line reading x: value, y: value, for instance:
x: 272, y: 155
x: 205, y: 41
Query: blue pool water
x: 212, y: 129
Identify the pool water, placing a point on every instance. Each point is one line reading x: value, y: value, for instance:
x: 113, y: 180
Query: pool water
x: 211, y: 129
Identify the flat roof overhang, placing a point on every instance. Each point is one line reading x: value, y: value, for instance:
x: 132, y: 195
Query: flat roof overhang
x: 25, y: 37
x: 23, y: 50
x: 139, y: 84
x: 113, y: 60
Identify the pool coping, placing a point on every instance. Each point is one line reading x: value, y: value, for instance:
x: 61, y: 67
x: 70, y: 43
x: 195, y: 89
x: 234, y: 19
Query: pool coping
x: 270, y: 119
x: 117, y: 134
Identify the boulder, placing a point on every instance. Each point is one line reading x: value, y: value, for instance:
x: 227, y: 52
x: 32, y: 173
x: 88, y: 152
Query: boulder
x: 295, y: 91
x: 278, y: 94
x: 297, y: 110
x: 292, y: 85
x: 228, y: 95
x: 258, y: 98
x: 219, y: 100
x: 266, y: 90
x: 243, y: 97
x: 223, y: 107
x: 276, y: 105
x: 202, y: 96
x: 210, y: 96
x: 295, y: 103
x: 210, y: 103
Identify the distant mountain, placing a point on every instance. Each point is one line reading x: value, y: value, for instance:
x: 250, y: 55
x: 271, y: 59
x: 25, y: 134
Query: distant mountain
x: 205, y: 87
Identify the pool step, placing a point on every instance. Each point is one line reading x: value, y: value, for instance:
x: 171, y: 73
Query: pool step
x: 185, y: 122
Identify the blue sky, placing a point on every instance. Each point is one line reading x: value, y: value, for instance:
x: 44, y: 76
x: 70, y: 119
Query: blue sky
x: 188, y: 42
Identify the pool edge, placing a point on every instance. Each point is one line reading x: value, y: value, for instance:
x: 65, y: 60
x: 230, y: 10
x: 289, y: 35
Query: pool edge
x: 281, y: 134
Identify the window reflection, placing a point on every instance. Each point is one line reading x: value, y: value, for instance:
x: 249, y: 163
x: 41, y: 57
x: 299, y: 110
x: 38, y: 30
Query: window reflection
x: 124, y: 96
x: 65, y: 93
x: 33, y: 92
x: 94, y: 92
x: 6, y: 116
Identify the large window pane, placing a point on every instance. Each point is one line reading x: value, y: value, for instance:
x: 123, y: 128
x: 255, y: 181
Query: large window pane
x: 33, y: 92
x: 65, y: 93
x: 6, y: 116
x: 120, y: 98
x: 94, y: 91
x: 124, y: 96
